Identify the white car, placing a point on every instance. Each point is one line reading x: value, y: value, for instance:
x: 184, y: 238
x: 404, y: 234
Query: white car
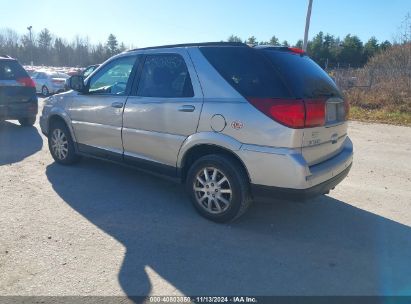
x: 49, y: 82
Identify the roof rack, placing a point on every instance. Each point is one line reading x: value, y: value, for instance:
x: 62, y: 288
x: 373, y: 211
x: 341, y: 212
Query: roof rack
x: 192, y: 44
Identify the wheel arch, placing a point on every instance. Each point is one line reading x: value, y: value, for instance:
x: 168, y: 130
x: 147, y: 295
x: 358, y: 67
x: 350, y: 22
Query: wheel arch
x: 200, y: 150
x: 63, y: 117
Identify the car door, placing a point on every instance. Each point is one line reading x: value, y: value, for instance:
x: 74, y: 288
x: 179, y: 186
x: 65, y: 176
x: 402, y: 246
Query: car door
x: 97, y: 115
x: 163, y: 111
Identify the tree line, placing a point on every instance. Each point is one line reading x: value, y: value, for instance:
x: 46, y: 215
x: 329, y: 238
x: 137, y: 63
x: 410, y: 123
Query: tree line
x: 49, y: 50
x: 330, y: 51
x: 46, y: 49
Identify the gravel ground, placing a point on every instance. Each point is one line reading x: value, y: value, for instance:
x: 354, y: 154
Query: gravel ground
x: 101, y: 229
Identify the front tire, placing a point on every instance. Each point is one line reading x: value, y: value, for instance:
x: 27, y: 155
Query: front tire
x: 27, y: 122
x: 219, y: 188
x: 61, y: 144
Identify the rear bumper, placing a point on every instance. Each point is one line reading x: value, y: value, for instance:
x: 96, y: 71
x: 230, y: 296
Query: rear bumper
x: 266, y: 192
x: 57, y: 88
x: 282, y: 172
x: 18, y: 110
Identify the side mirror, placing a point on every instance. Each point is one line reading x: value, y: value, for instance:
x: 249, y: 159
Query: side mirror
x: 76, y: 83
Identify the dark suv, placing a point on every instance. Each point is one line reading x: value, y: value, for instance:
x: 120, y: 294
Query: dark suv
x: 18, y: 98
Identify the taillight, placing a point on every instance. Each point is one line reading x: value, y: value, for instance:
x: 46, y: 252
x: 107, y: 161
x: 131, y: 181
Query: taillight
x: 314, y: 113
x: 289, y: 112
x: 293, y: 113
x: 26, y: 81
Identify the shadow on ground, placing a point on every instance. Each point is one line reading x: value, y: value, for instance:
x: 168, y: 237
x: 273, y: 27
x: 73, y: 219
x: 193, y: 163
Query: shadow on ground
x: 17, y: 142
x: 321, y: 247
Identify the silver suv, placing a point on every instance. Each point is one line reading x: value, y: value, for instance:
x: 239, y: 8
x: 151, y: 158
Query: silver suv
x: 234, y: 123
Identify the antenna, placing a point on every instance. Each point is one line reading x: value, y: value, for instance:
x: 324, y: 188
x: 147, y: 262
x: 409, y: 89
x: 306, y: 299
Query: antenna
x: 307, y: 24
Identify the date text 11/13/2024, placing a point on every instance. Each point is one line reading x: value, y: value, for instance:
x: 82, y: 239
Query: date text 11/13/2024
x: 201, y: 299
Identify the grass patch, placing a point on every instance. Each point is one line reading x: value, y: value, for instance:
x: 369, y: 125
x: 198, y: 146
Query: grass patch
x: 380, y: 116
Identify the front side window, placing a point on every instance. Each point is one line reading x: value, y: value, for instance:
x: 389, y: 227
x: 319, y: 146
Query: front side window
x: 113, y: 77
x: 165, y: 76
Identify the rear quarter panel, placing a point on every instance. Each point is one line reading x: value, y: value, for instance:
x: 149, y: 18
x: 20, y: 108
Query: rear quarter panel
x: 243, y: 122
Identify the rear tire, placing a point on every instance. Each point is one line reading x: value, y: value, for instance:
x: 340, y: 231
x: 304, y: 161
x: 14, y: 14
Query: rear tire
x: 219, y: 188
x: 61, y: 144
x: 27, y: 122
x: 45, y: 91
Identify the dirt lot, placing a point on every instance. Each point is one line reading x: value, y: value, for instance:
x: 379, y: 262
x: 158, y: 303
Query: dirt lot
x: 101, y: 229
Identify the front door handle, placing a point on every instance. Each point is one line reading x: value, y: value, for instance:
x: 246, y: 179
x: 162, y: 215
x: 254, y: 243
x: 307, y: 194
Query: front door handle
x: 187, y: 108
x: 117, y: 105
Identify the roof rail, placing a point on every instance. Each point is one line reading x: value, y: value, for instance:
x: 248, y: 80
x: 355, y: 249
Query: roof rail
x: 191, y: 44
x: 270, y: 46
x: 6, y: 56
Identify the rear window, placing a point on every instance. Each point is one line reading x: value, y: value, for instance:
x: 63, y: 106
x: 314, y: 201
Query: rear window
x: 248, y: 71
x: 11, y: 70
x: 303, y: 75
x: 59, y: 75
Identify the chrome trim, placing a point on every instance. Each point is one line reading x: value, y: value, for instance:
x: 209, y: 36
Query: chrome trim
x: 148, y: 132
x: 269, y: 150
x: 139, y: 156
x: 94, y: 124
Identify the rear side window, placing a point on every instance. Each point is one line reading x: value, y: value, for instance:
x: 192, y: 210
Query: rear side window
x: 303, y: 75
x: 248, y: 71
x: 11, y: 70
x: 166, y: 76
x: 63, y: 75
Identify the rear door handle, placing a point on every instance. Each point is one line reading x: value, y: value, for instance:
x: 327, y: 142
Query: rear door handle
x: 187, y: 108
x: 117, y: 105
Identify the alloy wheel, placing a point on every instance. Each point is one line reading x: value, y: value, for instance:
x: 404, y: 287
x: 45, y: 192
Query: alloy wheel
x: 212, y: 190
x: 45, y: 91
x: 59, y: 144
